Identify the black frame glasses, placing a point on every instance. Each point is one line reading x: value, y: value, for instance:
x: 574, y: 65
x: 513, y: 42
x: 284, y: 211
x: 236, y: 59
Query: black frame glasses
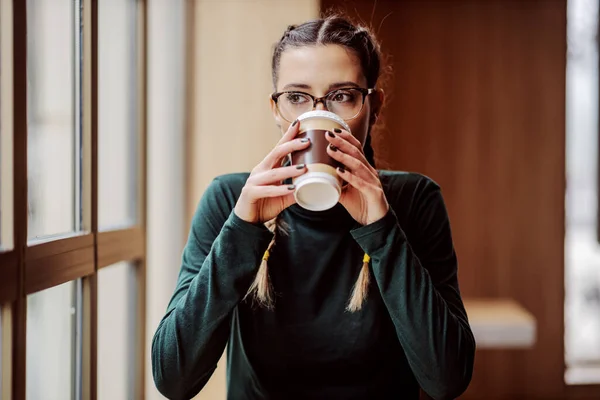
x: 364, y: 91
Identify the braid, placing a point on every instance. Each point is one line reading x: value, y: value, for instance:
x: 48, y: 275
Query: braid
x: 261, y: 287
x: 369, y: 153
x: 361, y: 287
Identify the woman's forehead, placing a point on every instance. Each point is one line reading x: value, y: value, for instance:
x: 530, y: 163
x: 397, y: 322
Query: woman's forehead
x: 317, y: 68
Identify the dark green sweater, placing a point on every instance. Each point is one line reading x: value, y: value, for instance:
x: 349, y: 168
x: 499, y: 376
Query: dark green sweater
x: 412, y: 332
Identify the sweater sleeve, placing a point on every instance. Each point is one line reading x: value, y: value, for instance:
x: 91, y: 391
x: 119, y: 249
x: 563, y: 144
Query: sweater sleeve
x: 421, y: 293
x: 219, y: 261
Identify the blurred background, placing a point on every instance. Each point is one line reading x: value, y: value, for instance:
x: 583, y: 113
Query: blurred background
x: 117, y: 114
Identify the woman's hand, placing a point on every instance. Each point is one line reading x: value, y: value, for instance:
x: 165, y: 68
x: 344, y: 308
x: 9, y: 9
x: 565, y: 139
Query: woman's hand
x: 363, y: 197
x: 263, y: 196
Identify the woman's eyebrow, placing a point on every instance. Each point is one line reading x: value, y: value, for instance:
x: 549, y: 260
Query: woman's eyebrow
x: 342, y: 84
x: 297, y: 86
x: 333, y: 86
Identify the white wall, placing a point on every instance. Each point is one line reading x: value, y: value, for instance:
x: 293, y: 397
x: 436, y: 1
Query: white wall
x: 165, y: 161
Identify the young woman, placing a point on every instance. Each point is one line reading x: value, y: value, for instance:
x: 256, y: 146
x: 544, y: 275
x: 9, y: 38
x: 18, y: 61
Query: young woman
x: 359, y: 302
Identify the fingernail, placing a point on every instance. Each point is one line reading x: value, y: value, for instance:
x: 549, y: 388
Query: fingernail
x: 304, y: 140
x: 332, y: 147
x: 330, y: 134
x: 294, y: 123
x: 341, y: 169
x: 300, y: 166
x: 291, y: 187
x: 337, y: 130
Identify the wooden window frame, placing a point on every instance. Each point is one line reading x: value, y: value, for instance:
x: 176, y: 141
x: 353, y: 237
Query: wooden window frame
x: 32, y: 267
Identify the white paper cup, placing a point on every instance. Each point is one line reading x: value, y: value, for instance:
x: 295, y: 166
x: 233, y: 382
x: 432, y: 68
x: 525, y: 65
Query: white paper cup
x: 319, y: 189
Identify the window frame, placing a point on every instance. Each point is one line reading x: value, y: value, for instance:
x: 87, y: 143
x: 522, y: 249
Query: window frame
x: 8, y: 258
x: 30, y: 267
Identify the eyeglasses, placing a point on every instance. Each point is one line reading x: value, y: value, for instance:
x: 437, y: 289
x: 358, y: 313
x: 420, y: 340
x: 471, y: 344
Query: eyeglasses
x: 347, y: 103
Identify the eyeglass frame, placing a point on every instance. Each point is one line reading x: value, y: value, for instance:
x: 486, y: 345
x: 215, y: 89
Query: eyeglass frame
x: 364, y: 91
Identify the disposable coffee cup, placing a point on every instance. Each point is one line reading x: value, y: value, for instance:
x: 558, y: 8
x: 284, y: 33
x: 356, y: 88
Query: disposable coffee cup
x: 320, y: 187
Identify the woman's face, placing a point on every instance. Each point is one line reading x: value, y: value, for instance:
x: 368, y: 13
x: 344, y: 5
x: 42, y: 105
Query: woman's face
x: 318, y: 70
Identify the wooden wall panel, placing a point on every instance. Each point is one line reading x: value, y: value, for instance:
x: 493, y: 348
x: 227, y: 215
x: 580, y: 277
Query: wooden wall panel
x: 478, y: 104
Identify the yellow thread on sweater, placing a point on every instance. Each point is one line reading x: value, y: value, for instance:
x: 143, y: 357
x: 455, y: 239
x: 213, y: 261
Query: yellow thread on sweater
x: 366, y: 258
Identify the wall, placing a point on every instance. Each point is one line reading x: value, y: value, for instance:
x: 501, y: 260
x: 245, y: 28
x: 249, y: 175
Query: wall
x: 231, y: 125
x: 165, y: 165
x: 478, y: 104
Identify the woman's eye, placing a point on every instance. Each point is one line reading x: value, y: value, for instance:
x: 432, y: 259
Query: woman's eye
x: 343, y: 97
x: 295, y: 98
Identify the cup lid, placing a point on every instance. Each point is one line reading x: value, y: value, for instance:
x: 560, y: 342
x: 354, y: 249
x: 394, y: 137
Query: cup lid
x: 324, y: 114
x: 317, y: 191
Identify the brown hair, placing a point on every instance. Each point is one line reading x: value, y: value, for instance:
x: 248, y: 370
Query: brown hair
x: 331, y: 30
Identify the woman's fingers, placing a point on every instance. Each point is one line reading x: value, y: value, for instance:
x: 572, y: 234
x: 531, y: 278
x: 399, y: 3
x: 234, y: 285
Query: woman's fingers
x: 276, y: 175
x: 291, y: 132
x: 253, y: 193
x: 368, y: 189
x: 352, y: 179
x: 357, y: 166
x: 348, y: 137
x: 288, y: 200
x: 341, y: 143
x: 276, y: 155
x: 280, y: 151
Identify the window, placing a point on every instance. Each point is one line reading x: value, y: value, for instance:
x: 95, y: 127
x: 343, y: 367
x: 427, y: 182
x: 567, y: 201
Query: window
x: 582, y: 250
x: 8, y: 264
x: 65, y: 275
x: 6, y: 170
x: 117, y: 317
x: 118, y: 199
x: 117, y: 113
x: 53, y: 133
x: 51, y: 343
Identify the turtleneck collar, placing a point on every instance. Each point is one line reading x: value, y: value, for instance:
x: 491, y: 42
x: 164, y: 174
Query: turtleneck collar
x: 336, y: 214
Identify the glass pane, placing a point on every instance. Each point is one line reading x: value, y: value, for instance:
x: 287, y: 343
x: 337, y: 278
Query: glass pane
x: 51, y: 338
x: 116, y: 331
x: 117, y: 113
x: 582, y: 250
x: 6, y: 212
x: 52, y: 93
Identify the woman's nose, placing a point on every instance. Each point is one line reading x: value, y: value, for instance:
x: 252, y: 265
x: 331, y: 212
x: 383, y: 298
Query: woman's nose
x: 320, y: 106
